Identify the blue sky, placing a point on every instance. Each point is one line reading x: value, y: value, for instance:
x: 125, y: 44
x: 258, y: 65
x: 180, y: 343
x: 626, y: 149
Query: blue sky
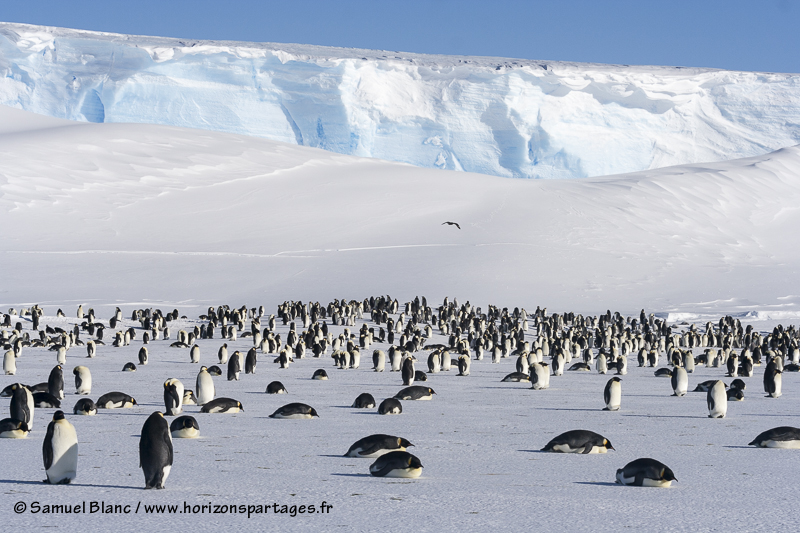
x: 731, y: 34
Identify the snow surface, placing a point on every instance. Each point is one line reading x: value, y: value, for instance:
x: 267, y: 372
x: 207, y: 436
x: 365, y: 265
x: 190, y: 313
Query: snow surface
x: 499, y: 116
x: 142, y: 215
x: 478, y: 440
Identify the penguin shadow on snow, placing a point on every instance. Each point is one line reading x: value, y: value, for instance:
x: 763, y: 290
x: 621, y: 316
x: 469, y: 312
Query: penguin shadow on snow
x: 352, y: 475
x: 83, y: 485
x: 600, y: 483
x: 669, y: 416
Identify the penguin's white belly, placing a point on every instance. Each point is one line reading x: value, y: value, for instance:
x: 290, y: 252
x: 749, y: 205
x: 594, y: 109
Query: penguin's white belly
x: 785, y: 444
x: 565, y: 448
x: 404, y: 472
x: 224, y: 410
x: 65, y: 454
x: 296, y: 416
x: 186, y: 433
x: 655, y: 483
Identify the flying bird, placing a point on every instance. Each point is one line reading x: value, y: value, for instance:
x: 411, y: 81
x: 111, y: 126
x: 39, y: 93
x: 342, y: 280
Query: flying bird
x: 451, y: 224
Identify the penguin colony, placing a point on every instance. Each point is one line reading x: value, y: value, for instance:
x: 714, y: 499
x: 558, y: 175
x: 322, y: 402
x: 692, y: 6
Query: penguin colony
x: 541, y: 345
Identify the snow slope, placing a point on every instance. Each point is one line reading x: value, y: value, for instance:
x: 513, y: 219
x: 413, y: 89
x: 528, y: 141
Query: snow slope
x: 126, y: 213
x: 505, y: 117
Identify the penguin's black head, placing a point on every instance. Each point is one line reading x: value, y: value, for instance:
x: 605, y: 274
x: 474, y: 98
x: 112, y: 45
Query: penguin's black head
x: 133, y: 401
x: 667, y: 475
x: 607, y: 444
x: 404, y: 443
x: 23, y: 426
x: 241, y: 407
x: 431, y: 390
x: 314, y: 412
x: 58, y: 415
x: 414, y: 462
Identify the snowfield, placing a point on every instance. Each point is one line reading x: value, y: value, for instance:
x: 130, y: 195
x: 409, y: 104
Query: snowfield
x: 499, y: 116
x: 136, y: 216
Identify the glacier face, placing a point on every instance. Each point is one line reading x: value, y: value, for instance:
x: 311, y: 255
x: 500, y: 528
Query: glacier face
x: 514, y: 118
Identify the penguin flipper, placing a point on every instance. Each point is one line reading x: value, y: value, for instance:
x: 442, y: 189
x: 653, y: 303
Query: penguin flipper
x: 587, y: 449
x: 47, y: 447
x: 383, y: 471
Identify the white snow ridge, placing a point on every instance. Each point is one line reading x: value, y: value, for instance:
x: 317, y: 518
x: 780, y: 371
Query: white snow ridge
x: 506, y: 117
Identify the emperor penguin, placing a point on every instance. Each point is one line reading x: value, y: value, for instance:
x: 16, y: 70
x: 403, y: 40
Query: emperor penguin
x: 680, y: 381
x: 234, y: 366
x: 173, y: 397
x: 408, y: 371
x: 390, y: 406
x: 645, y: 472
x: 377, y: 445
x: 91, y: 348
x: 364, y: 400
x: 55, y: 382
x: 780, y: 437
x: 194, y: 354
x: 60, y: 451
x: 717, y: 399
x: 61, y: 355
x: 395, y: 358
x: 85, y: 406
x: 250, y: 361
x: 378, y: 360
x: 9, y: 363
x: 295, y: 410
x: 558, y: 364
x: 601, y: 365
x: 612, y: 394
x: 204, y: 387
x: 522, y: 363
x: 143, y: 355
x: 688, y: 361
x: 83, y: 380
x: 399, y: 464
x: 11, y: 428
x: 772, y: 381
x: 223, y: 354
x: 184, y: 427
x: 444, y: 360
x: 463, y: 365
x: 579, y: 441
x: 539, y: 376
x: 22, y: 406
x: 155, y: 451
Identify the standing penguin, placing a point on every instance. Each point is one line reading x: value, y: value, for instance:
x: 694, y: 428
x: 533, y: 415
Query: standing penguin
x: 234, y: 366
x: 250, y: 361
x: 463, y: 365
x: 612, y: 394
x: 772, y: 381
x: 155, y: 451
x: 60, y: 451
x: 378, y: 360
x: 194, y: 354
x: 223, y: 354
x: 10, y: 363
x: 539, y: 376
x: 91, y: 348
x: 717, y: 399
x: 83, y: 380
x: 408, y: 371
x: 680, y: 381
x: 61, y: 355
x: 601, y: 365
x: 395, y: 359
x: 22, y: 405
x: 173, y: 397
x: 55, y: 382
x: 205, y: 387
x: 143, y: 355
